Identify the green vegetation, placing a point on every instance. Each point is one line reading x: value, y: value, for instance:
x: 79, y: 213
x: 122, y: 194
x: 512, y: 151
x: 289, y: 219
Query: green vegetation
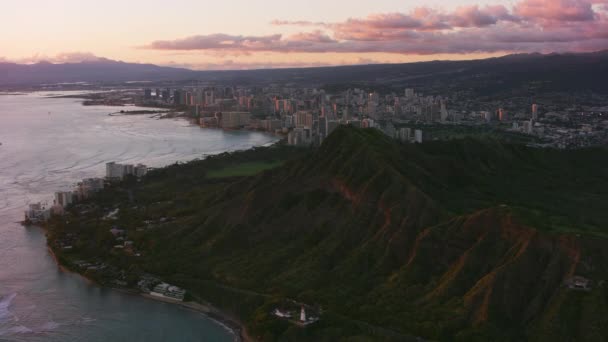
x: 464, y: 240
x: 243, y: 169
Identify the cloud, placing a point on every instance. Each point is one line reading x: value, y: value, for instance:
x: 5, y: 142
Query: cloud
x: 527, y: 26
x: 474, y: 16
x: 75, y: 57
x: 315, y: 41
x: 218, y: 41
x: 236, y: 65
x: 64, y: 57
x: 296, y: 23
x: 315, y: 36
x: 556, y: 10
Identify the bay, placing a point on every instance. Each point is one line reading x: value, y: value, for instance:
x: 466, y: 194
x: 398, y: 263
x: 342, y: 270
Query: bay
x: 49, y: 144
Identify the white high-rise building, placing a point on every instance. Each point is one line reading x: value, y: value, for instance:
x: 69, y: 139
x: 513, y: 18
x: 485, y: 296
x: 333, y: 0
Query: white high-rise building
x: 444, y: 112
x: 409, y: 93
x: 486, y: 115
x: 418, y: 136
x: 114, y: 171
x: 120, y: 171
x: 528, y: 127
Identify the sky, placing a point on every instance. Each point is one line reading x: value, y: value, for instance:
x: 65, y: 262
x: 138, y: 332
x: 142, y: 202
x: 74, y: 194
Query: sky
x: 246, y: 34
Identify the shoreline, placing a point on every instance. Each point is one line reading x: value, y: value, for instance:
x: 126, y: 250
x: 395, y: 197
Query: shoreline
x: 226, y: 321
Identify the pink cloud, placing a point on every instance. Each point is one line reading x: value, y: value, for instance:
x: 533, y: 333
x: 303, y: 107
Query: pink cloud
x: 64, y: 57
x: 556, y: 10
x: 473, y: 16
x: 296, y: 23
x: 218, y: 41
x: 238, y: 65
x: 316, y: 36
x: 528, y: 26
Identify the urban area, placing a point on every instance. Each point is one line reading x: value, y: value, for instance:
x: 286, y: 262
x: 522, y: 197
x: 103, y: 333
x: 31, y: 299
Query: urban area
x: 306, y: 116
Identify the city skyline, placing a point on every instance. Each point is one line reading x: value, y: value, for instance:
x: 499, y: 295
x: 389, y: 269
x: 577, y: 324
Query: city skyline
x: 280, y: 34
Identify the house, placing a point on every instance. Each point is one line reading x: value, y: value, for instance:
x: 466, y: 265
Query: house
x: 281, y: 314
x: 579, y: 283
x: 168, y: 291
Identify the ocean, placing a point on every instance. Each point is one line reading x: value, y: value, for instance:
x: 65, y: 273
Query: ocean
x: 49, y: 144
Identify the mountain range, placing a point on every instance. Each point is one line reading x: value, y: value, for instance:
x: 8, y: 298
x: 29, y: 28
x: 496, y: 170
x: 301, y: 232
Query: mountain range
x: 552, y: 72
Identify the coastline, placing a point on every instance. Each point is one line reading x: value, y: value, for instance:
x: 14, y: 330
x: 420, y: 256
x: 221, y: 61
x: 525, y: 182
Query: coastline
x: 225, y: 319
x: 229, y: 323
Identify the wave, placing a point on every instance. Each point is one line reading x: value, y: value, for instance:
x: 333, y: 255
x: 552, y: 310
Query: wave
x: 20, y: 329
x: 5, y: 302
x: 48, y: 326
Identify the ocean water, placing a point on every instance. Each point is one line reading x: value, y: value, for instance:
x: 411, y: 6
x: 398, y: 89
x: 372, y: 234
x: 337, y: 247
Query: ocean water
x: 49, y: 144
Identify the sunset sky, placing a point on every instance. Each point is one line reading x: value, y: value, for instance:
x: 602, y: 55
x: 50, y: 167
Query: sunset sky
x: 238, y: 34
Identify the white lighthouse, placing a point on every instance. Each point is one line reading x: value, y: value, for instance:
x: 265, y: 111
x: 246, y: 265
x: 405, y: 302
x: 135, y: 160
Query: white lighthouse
x: 303, y: 315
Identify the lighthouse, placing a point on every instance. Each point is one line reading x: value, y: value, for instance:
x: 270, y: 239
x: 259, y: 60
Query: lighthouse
x: 303, y: 315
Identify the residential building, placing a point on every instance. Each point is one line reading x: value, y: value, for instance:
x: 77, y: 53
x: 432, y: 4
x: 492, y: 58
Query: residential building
x: 64, y: 198
x: 234, y: 120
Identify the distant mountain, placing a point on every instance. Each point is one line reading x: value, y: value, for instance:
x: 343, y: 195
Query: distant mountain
x: 103, y: 71
x: 467, y: 240
x: 517, y: 75
x: 522, y: 74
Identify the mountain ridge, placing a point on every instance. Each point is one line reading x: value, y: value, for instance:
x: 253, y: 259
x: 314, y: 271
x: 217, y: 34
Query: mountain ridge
x: 578, y: 71
x: 440, y: 240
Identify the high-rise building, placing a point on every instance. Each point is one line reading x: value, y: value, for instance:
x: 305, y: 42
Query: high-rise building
x: 501, y: 114
x: 304, y: 119
x: 209, y: 98
x: 271, y: 125
x: 189, y: 99
x: 177, y: 97
x: 147, y: 93
x: 373, y: 97
x: 444, y: 112
x: 64, y: 198
x: 528, y: 127
x: 300, y: 136
x: 534, y: 112
x: 166, y: 95
x: 486, y: 115
x: 116, y: 171
x: 232, y: 120
x: 409, y: 93
x: 418, y: 136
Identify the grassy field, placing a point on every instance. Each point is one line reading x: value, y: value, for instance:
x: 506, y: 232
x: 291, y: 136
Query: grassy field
x: 243, y: 169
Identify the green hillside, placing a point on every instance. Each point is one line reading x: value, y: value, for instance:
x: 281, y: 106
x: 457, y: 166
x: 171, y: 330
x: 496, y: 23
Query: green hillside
x: 461, y: 240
